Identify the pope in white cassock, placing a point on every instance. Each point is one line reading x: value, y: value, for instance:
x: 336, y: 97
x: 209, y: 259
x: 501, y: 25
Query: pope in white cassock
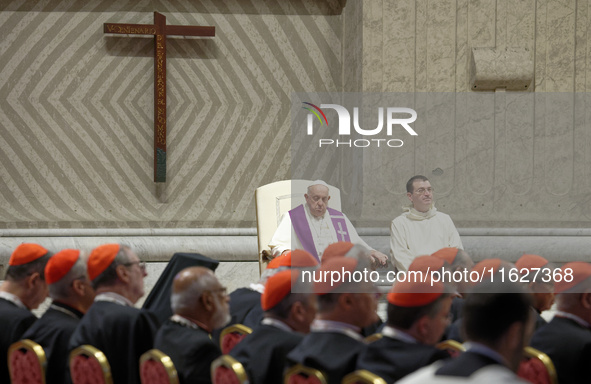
x: 313, y: 226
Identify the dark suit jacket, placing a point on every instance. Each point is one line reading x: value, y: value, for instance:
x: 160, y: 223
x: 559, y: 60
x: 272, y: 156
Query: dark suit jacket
x: 392, y: 359
x: 333, y: 353
x: 121, y: 332
x: 14, y: 321
x: 568, y: 344
x: 53, y: 331
x: 191, y: 351
x: 263, y: 353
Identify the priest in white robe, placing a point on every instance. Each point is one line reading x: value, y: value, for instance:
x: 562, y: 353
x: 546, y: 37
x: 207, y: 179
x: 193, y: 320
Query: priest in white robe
x: 421, y: 229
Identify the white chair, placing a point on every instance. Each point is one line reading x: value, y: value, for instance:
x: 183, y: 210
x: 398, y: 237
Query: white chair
x: 275, y: 199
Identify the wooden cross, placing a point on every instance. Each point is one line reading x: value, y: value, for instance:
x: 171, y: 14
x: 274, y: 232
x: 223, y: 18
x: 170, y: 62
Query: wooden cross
x: 159, y: 30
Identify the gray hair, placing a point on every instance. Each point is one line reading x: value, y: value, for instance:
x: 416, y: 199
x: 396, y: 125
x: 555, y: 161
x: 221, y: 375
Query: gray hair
x: 62, y: 289
x: 109, y: 275
x: 187, y: 299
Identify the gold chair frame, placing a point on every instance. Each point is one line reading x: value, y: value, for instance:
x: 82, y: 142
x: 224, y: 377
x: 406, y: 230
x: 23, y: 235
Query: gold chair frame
x: 545, y: 359
x: 32, y: 347
x: 239, y: 328
x: 451, y: 344
x: 162, y: 358
x: 231, y: 363
x: 364, y: 377
x: 96, y: 354
x: 308, y: 371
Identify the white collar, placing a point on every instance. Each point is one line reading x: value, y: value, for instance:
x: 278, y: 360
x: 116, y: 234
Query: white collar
x: 13, y: 299
x: 394, y: 333
x: 113, y: 298
x: 183, y: 321
x: 276, y: 323
x: 338, y: 327
x: 260, y: 288
x: 64, y: 310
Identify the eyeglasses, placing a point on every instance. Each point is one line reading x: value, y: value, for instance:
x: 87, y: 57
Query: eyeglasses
x: 422, y: 191
x: 141, y: 264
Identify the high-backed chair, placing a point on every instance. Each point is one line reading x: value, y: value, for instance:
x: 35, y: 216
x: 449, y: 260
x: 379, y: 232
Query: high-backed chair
x: 27, y: 363
x: 156, y: 367
x: 452, y: 347
x: 363, y: 376
x: 275, y: 199
x: 88, y: 365
x: 299, y: 374
x: 227, y: 370
x: 536, y: 367
x: 232, y: 335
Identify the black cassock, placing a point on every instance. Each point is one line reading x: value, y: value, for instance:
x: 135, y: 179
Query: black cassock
x: 121, y: 332
x: 392, y: 359
x: 245, y: 308
x: 263, y: 353
x: 243, y: 301
x: 334, y: 353
x: 191, y: 350
x: 53, y: 331
x: 14, y: 321
x: 568, y: 344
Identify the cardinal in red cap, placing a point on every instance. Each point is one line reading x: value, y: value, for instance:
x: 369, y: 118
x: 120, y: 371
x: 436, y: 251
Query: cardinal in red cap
x: 346, y: 303
x: 112, y: 324
x: 72, y: 294
x: 24, y: 289
x: 290, y: 307
x: 566, y: 339
x: 418, y: 313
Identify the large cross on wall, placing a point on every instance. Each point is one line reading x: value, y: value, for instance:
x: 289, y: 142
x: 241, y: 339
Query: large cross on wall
x: 159, y: 30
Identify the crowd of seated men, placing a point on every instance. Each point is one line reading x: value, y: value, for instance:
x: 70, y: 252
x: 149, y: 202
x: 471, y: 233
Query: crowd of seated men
x: 305, y: 317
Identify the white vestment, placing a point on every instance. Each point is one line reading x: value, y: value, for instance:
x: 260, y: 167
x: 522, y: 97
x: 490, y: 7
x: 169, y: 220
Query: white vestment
x: 415, y: 233
x: 322, y: 229
x: 491, y: 374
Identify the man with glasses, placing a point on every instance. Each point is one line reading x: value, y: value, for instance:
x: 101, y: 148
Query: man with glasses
x: 72, y: 294
x: 24, y: 289
x: 112, y: 324
x: 200, y: 305
x: 420, y: 229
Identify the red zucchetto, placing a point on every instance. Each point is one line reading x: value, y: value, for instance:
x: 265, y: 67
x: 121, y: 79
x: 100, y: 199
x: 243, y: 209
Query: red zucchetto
x: 100, y: 258
x: 277, y: 288
x: 338, y: 249
x: 530, y: 261
x: 60, y: 264
x: 25, y: 253
x: 411, y: 293
x: 581, y: 271
x: 448, y: 254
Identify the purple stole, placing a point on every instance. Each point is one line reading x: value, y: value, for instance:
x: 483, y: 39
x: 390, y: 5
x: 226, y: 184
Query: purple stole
x: 302, y: 228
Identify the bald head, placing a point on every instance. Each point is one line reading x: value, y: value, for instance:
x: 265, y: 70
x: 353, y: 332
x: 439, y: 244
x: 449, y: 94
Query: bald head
x: 189, y: 276
x: 197, y: 294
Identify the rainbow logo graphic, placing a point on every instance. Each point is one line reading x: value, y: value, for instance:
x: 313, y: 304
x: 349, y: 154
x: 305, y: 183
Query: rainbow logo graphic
x: 314, y: 112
